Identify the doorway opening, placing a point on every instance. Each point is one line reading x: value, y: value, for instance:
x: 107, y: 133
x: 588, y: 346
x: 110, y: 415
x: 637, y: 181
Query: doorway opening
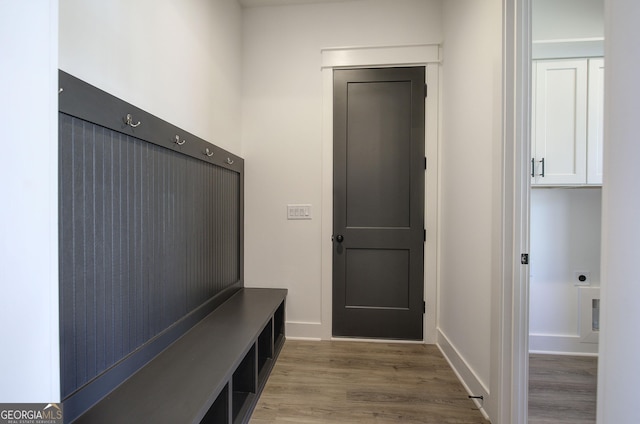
x: 565, y: 204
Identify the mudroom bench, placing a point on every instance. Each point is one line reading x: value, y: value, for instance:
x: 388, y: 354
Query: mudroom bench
x: 212, y: 374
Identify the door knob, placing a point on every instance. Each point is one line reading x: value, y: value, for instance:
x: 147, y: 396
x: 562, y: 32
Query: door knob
x: 339, y: 238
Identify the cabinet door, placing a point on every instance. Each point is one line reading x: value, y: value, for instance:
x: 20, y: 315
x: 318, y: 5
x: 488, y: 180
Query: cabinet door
x: 596, y: 118
x: 559, y: 122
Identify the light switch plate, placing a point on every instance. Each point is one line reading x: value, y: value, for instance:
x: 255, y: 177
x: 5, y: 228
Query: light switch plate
x: 301, y: 211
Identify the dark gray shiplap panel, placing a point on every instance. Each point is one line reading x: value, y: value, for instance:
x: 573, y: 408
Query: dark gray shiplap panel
x: 213, y: 231
x: 147, y: 235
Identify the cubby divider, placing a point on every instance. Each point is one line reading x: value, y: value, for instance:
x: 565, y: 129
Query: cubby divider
x: 265, y: 351
x: 278, y: 323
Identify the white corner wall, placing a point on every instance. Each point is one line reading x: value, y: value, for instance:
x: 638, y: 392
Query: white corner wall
x: 470, y: 199
x: 179, y: 60
x: 282, y: 133
x: 618, y: 366
x: 29, y: 363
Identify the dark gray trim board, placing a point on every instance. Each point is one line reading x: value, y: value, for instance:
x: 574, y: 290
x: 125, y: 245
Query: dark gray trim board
x: 82, y: 100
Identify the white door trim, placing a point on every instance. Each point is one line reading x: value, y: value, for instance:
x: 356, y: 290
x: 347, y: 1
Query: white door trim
x: 510, y: 320
x: 427, y: 55
x: 352, y: 57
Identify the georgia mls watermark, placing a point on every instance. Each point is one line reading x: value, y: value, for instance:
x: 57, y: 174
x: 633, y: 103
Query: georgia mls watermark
x: 30, y: 413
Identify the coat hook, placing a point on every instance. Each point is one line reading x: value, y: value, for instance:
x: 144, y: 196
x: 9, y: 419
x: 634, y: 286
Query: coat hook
x: 208, y: 152
x: 129, y: 121
x: 178, y: 142
x: 230, y: 161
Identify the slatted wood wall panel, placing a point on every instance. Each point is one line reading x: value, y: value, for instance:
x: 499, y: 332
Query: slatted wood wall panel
x: 146, y: 236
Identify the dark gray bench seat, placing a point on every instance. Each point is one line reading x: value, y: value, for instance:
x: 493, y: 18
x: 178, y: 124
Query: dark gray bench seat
x: 212, y: 374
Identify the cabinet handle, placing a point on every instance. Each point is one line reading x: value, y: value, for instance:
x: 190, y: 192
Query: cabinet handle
x: 533, y: 167
x: 542, y: 162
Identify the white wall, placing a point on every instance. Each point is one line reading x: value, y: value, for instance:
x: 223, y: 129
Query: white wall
x: 282, y: 133
x: 567, y: 19
x: 619, y: 367
x: 470, y: 163
x: 567, y: 28
x: 179, y: 60
x: 29, y: 361
x: 565, y: 238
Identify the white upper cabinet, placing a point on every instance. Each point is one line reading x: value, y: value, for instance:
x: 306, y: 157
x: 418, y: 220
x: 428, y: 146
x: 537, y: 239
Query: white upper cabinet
x: 559, y: 122
x: 566, y: 140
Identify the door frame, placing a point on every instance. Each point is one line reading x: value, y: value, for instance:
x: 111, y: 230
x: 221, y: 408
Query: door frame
x: 429, y: 56
x: 510, y: 320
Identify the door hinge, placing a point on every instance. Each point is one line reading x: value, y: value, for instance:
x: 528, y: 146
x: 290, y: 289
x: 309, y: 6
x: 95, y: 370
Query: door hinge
x: 424, y: 234
x: 524, y: 259
x: 424, y: 307
x: 425, y: 162
x: 425, y: 91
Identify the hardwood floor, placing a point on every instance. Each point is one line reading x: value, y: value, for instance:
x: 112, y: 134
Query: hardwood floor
x: 354, y: 382
x: 562, y: 389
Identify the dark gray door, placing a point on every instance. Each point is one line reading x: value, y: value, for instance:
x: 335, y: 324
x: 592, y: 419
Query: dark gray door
x: 378, y: 195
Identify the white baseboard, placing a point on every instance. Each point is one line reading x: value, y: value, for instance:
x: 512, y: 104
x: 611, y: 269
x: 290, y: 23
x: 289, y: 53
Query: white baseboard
x: 306, y: 339
x: 548, y: 352
x: 561, y: 345
x: 470, y: 381
x: 472, y: 384
x: 304, y: 330
x: 353, y: 339
x: 316, y: 331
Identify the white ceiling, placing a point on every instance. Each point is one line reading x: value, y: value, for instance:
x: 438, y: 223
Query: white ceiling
x: 256, y: 3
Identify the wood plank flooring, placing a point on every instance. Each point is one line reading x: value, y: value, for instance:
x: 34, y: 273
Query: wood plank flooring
x: 562, y: 389
x: 355, y: 382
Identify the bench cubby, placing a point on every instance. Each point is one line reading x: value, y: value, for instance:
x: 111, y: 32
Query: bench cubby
x: 219, y: 411
x: 244, y: 384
